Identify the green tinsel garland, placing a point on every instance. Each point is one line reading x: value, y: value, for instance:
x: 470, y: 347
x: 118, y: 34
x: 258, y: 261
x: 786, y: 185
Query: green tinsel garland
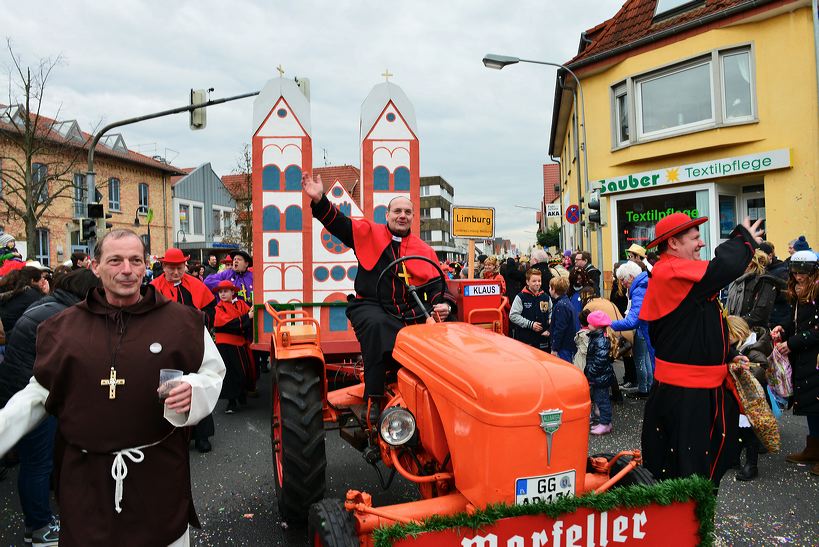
x: 698, y: 489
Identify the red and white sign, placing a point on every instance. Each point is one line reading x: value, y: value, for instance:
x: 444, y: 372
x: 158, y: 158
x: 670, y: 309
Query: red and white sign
x: 648, y: 525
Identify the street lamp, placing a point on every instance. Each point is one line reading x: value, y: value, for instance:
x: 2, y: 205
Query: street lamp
x: 147, y: 223
x: 497, y: 62
x: 183, y: 237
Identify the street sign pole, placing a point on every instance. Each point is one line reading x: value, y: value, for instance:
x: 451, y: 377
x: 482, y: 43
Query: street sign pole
x: 471, y: 260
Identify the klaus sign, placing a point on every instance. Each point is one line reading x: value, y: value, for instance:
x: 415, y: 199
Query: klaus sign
x: 646, y: 525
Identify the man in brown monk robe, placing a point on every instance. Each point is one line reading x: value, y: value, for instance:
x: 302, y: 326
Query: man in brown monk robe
x: 123, y: 476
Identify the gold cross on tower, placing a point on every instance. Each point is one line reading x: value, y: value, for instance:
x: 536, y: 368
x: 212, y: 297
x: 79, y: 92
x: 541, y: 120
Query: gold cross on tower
x: 112, y: 382
x: 387, y: 74
x: 406, y: 274
x: 281, y: 70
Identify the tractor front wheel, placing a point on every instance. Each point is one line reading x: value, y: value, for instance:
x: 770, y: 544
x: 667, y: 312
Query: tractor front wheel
x: 637, y: 476
x: 330, y: 525
x: 299, y: 459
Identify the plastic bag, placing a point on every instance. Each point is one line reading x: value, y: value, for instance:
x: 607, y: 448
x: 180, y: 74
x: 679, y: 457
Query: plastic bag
x: 778, y: 372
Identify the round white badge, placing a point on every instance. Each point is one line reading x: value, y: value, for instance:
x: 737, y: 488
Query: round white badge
x: 156, y: 347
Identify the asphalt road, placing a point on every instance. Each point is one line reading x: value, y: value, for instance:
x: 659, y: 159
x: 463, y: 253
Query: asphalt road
x: 233, y: 485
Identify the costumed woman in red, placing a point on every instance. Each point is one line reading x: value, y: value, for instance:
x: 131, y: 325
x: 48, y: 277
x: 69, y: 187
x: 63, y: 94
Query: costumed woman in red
x: 233, y: 327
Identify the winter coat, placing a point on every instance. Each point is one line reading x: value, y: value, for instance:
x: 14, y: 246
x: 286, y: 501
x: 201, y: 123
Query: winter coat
x: 599, y: 368
x: 564, y: 325
x: 18, y: 367
x: 498, y: 278
x: 12, y: 306
x: 752, y: 297
x: 527, y: 309
x: 782, y: 310
x: 594, y: 276
x: 636, y: 294
x: 802, y: 336
x: 514, y: 280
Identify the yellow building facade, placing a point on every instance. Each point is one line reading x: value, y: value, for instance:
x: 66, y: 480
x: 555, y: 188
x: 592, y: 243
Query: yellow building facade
x: 718, y: 120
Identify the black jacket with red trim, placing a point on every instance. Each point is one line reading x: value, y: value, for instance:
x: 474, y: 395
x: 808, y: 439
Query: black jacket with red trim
x: 375, y: 247
x: 686, y: 324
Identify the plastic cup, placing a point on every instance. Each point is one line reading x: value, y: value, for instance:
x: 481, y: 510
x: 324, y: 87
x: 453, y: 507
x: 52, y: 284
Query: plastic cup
x: 169, y: 378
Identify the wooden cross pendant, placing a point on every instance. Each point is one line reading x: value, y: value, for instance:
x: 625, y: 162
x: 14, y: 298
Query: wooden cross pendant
x: 406, y: 274
x: 112, y: 382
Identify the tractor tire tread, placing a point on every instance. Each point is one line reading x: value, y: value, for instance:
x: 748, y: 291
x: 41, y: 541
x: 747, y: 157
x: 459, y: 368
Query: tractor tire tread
x: 331, y: 525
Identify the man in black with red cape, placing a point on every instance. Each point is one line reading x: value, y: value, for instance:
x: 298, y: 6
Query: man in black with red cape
x: 376, y: 246
x: 691, y: 417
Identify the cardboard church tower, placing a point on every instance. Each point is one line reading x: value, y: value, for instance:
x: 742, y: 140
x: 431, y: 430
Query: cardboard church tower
x: 295, y: 259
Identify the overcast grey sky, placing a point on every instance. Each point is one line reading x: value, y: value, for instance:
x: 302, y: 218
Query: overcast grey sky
x: 484, y: 131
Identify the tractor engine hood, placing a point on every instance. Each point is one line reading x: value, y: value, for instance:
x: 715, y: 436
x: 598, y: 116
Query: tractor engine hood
x: 497, y: 380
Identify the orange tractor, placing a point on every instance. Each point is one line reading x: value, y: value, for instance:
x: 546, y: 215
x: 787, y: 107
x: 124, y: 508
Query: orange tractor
x: 473, y: 418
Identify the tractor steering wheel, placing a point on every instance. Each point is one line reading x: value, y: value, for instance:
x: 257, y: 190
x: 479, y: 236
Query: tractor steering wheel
x: 426, y: 307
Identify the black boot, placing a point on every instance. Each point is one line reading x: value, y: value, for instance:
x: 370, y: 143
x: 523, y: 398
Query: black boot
x: 749, y: 471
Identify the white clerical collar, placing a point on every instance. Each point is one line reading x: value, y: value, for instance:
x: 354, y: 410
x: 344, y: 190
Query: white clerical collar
x: 399, y: 239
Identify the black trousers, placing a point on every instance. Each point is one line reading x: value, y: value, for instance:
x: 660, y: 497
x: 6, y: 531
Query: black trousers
x: 376, y: 332
x: 204, y: 429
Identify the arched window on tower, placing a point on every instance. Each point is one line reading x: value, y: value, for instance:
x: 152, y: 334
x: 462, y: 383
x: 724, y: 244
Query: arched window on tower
x: 271, y: 219
x: 380, y: 214
x: 273, y: 248
x: 271, y: 177
x: 292, y: 219
x: 381, y: 178
x: 401, y: 179
x: 292, y: 178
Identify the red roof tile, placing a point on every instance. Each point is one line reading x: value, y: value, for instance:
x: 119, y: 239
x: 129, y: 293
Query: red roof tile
x: 45, y: 130
x: 348, y: 175
x: 177, y: 178
x: 551, y: 177
x: 635, y: 21
x: 237, y: 186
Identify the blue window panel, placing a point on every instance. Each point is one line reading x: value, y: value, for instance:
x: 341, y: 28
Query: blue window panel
x: 346, y: 208
x: 380, y: 214
x: 292, y: 178
x: 401, y: 179
x: 268, y: 320
x: 321, y: 273
x: 381, y: 178
x: 271, y: 177
x: 271, y: 219
x: 292, y: 219
x: 337, y: 273
x: 338, y: 319
x: 272, y: 248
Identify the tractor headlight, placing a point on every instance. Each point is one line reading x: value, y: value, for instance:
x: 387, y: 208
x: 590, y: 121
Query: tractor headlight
x: 397, y: 426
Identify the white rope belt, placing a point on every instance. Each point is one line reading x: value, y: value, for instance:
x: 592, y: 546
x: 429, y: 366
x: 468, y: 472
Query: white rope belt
x: 119, y: 469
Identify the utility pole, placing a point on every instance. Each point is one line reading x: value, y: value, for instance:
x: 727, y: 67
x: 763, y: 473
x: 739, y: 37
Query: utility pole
x: 90, y: 176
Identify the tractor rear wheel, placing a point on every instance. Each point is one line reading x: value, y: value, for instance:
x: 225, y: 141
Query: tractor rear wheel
x: 637, y: 476
x: 297, y: 425
x: 330, y: 525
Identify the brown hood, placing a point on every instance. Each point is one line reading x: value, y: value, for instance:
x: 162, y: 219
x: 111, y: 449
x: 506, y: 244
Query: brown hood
x: 97, y: 304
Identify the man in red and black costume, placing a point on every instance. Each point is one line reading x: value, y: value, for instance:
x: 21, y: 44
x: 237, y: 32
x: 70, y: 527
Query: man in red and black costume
x: 178, y: 286
x: 376, y: 246
x: 690, y: 424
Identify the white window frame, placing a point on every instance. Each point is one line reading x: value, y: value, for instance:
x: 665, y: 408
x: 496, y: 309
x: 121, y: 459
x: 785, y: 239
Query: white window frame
x: 632, y: 88
x: 79, y: 196
x: 142, y: 208
x: 115, y: 205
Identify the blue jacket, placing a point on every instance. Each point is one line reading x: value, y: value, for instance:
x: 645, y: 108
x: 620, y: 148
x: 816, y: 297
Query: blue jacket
x: 599, y: 369
x: 564, y: 325
x: 636, y: 293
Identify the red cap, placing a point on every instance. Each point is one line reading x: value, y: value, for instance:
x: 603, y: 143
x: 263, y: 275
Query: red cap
x: 174, y: 256
x: 225, y: 284
x: 673, y: 224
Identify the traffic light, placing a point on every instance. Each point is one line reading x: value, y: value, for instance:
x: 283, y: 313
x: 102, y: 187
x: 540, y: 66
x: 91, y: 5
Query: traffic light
x: 108, y: 225
x: 593, y: 207
x: 88, y: 229
x: 198, y: 116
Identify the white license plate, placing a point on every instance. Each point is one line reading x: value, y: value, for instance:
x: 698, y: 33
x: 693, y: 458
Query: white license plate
x: 547, y: 488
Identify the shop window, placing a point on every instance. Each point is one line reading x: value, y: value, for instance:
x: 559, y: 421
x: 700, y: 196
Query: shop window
x: 185, y: 218
x: 727, y: 215
x: 683, y: 98
x: 401, y: 179
x: 381, y: 178
x: 637, y: 217
x: 271, y: 177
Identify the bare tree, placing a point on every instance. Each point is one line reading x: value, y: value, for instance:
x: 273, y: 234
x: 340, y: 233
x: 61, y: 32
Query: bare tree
x: 242, y: 192
x: 39, y: 154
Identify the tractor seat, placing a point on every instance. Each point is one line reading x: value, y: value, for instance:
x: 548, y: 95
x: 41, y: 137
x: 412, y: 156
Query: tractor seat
x: 300, y: 333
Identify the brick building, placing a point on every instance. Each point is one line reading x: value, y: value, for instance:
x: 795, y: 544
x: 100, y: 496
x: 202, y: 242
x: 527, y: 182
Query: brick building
x: 130, y: 184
